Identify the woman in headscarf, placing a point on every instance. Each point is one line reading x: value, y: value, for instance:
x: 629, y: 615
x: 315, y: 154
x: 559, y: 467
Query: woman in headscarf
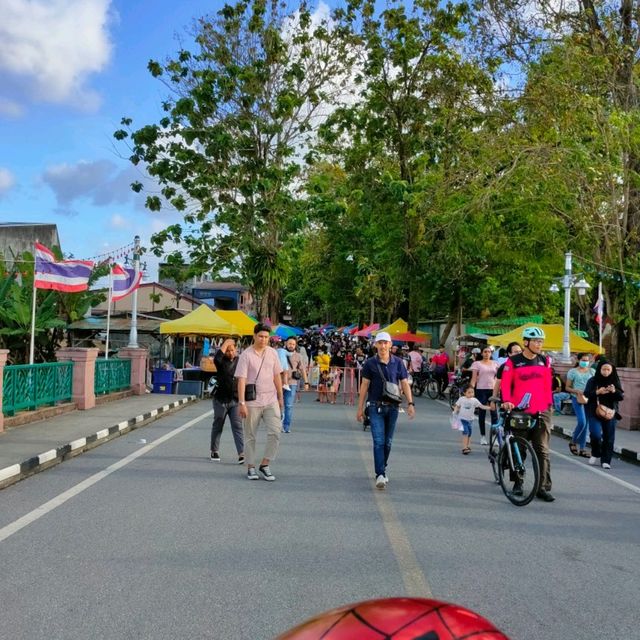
x: 603, y: 390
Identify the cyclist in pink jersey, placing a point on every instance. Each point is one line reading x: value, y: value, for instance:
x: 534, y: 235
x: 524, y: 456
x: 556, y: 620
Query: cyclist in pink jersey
x: 530, y: 372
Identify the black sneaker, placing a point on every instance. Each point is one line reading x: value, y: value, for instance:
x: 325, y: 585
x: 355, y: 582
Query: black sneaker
x: 241, y: 458
x: 215, y: 456
x: 265, y: 472
x: 545, y: 495
x: 517, y: 489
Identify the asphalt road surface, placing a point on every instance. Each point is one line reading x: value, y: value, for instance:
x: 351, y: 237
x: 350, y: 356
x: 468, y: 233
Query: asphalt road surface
x: 152, y: 540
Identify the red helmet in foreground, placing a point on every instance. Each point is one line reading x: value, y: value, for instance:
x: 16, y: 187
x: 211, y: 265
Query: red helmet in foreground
x: 397, y: 619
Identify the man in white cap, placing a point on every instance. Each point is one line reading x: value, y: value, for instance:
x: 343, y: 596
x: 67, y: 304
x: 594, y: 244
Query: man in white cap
x: 379, y: 374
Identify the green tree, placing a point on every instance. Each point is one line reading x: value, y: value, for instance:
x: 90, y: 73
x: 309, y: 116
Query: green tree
x: 580, y: 100
x: 417, y: 94
x: 229, y: 153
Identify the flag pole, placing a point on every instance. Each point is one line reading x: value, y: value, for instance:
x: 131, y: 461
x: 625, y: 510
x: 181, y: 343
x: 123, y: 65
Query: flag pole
x: 106, y: 345
x: 33, y: 317
x: 600, y: 314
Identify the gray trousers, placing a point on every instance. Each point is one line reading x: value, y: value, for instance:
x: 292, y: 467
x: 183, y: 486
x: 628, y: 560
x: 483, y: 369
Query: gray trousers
x: 220, y: 412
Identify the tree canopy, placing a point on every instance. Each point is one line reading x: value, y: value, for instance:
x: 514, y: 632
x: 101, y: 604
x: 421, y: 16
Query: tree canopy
x: 429, y: 160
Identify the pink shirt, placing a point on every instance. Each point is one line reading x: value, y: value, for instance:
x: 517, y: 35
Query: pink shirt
x: 249, y: 364
x: 486, y: 373
x: 416, y: 361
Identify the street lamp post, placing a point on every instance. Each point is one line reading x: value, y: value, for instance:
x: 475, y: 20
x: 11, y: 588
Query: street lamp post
x: 133, y: 332
x: 569, y: 281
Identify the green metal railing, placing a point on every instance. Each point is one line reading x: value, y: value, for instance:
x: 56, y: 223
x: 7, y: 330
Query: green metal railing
x: 32, y: 386
x: 112, y: 375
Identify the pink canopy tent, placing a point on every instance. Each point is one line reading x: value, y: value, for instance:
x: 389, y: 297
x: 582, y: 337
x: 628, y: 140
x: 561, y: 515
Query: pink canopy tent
x: 366, y: 332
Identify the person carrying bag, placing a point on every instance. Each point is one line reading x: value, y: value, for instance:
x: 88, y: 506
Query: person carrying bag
x: 603, y: 393
x: 380, y: 392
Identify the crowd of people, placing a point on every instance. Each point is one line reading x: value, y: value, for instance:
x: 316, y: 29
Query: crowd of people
x: 259, y: 386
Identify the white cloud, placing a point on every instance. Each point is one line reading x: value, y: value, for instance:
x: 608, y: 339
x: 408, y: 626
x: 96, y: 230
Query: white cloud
x: 7, y: 181
x: 50, y: 47
x: 119, y: 222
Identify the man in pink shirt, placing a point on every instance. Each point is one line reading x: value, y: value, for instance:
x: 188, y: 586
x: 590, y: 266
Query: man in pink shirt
x: 440, y: 362
x: 416, y: 360
x: 530, y: 372
x: 259, y: 365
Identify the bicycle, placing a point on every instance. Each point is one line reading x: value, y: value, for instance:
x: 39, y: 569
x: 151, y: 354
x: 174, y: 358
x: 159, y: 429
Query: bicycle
x: 455, y: 389
x: 512, y: 457
x: 425, y: 381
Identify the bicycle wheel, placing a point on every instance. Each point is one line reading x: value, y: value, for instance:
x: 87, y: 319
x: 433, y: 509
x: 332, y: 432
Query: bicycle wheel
x: 492, y: 454
x: 417, y: 388
x: 432, y: 388
x: 454, y: 394
x: 518, y: 470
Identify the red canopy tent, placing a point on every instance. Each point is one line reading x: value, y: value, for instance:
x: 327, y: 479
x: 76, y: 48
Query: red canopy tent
x: 407, y: 336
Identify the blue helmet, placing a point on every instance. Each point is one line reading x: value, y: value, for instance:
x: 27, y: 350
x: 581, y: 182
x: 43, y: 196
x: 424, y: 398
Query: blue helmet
x: 533, y: 333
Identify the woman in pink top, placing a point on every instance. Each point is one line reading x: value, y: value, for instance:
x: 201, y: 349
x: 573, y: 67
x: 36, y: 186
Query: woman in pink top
x: 483, y: 376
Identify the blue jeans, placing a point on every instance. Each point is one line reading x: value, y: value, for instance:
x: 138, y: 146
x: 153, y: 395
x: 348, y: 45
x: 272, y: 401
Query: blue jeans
x: 558, y: 398
x: 383, y: 420
x: 467, y: 427
x: 289, y: 399
x: 580, y: 432
x: 603, y: 435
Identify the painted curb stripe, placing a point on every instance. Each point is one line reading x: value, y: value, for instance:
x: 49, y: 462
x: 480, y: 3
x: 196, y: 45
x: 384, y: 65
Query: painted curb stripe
x: 9, y: 472
x: 31, y: 464
x: 60, y: 499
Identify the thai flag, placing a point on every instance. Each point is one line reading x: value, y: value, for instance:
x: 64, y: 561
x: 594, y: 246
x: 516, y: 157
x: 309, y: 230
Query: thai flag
x: 70, y: 276
x: 598, y: 308
x: 125, y: 281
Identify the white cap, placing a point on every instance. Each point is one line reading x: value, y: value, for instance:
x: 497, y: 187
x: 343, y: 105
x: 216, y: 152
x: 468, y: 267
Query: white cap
x: 382, y: 335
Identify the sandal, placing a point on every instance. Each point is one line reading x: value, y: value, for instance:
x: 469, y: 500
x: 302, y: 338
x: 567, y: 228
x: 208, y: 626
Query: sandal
x: 584, y: 453
x: 466, y: 451
x: 573, y: 447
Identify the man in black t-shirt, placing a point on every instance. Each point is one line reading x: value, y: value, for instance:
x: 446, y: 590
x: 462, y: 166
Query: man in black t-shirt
x: 225, y: 400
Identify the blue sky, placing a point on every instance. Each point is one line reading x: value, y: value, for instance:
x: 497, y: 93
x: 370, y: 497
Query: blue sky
x: 69, y: 71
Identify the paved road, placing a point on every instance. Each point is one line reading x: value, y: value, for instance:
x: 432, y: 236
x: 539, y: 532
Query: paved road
x: 151, y: 540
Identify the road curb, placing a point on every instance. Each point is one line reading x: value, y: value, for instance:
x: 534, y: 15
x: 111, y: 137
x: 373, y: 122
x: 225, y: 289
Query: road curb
x: 624, y: 454
x: 16, y: 472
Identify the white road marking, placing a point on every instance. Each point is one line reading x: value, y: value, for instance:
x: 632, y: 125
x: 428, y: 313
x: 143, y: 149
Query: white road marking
x: 600, y: 472
x: 60, y: 499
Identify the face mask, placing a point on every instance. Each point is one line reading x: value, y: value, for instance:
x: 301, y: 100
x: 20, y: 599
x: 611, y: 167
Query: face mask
x: 584, y: 363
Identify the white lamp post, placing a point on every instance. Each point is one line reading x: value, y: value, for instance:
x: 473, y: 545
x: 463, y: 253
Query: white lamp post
x: 569, y: 281
x: 133, y: 331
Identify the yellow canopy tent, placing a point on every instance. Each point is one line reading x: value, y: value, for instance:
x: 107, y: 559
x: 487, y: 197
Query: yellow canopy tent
x: 553, y: 339
x: 400, y: 326
x: 202, y: 321
x: 238, y: 319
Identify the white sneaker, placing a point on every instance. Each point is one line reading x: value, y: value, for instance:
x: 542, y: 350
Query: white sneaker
x: 381, y: 482
x: 483, y: 441
x: 593, y: 460
x: 286, y: 387
x: 606, y: 465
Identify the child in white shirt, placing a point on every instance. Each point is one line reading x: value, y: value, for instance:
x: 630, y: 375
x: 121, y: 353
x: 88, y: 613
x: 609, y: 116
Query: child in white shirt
x: 465, y: 408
